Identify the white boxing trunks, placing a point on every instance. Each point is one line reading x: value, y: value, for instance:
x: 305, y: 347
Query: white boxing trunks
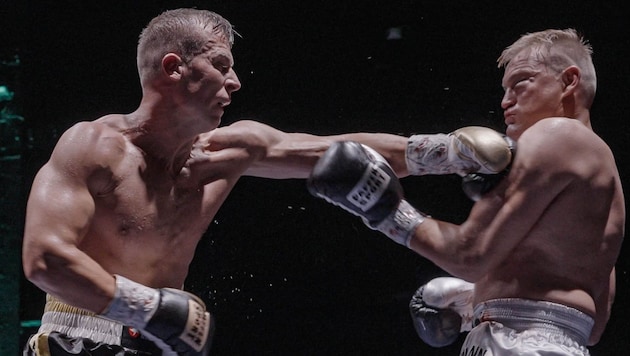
x: 67, y: 330
x: 528, y: 328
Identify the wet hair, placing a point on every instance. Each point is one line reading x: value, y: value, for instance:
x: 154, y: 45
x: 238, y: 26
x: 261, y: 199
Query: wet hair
x: 558, y: 49
x: 180, y: 31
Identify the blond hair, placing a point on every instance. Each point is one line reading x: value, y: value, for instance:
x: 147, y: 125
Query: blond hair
x: 558, y: 49
x: 181, y: 31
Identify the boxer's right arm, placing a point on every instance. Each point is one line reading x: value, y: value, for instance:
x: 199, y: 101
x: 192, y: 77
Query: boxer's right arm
x: 59, y: 210
x: 176, y: 317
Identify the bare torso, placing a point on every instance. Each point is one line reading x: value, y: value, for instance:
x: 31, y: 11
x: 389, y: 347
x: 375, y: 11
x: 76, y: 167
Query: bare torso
x: 568, y: 254
x: 147, y: 221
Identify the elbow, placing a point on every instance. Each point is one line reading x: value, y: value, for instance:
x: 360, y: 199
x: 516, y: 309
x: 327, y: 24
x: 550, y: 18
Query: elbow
x: 468, y: 274
x: 470, y: 267
x: 35, y: 269
x: 593, y: 340
x: 41, y: 266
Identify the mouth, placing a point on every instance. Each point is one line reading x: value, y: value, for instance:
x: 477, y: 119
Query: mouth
x: 509, y: 117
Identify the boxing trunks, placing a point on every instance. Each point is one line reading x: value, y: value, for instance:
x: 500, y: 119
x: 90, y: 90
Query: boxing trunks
x: 67, y: 330
x: 527, y: 327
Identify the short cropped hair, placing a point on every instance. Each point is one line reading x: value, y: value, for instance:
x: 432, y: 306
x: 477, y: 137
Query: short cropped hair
x: 558, y: 49
x: 179, y: 31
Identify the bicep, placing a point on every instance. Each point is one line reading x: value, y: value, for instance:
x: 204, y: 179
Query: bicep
x: 59, y: 208
x: 293, y: 155
x: 255, y: 149
x: 497, y: 223
x: 506, y: 216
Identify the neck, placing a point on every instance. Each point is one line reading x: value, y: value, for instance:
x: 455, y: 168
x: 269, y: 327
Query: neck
x: 164, y: 144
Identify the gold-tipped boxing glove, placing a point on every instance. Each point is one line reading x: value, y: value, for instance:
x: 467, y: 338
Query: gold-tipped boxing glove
x: 479, y: 154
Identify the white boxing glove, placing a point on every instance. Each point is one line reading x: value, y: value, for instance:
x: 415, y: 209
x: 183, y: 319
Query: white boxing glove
x: 441, y: 309
x: 471, y: 149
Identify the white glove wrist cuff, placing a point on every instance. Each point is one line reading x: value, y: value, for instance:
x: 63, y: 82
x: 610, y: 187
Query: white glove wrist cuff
x: 433, y: 154
x: 134, y: 304
x: 400, y: 225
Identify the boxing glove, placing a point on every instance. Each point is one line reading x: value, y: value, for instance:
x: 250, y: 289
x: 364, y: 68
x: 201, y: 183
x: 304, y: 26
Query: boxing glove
x: 475, y: 185
x: 472, y: 149
x: 359, y: 180
x: 176, y: 320
x: 442, y: 309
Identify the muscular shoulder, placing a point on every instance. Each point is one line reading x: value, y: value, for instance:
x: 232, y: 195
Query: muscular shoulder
x: 88, y: 146
x: 560, y: 154
x: 561, y: 142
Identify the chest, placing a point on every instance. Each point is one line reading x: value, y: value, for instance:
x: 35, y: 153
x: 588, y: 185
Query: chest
x: 140, y: 199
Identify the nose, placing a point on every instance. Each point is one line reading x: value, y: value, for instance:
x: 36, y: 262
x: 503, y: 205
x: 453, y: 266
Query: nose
x: 508, y: 99
x: 232, y: 83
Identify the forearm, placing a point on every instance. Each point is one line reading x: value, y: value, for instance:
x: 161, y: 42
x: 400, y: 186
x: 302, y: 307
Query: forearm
x: 293, y: 155
x: 391, y: 147
x: 72, y: 276
x: 441, y: 243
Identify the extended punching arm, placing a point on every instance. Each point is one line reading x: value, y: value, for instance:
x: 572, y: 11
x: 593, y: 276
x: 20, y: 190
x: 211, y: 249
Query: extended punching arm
x: 472, y: 149
x: 480, y: 155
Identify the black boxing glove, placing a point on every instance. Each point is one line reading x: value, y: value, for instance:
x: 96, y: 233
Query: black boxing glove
x: 359, y: 180
x: 475, y: 185
x: 176, y: 320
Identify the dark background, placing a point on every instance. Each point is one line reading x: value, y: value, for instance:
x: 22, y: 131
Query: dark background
x: 283, y: 272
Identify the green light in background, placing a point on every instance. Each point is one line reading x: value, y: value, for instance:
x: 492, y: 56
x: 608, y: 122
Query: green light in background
x: 30, y: 323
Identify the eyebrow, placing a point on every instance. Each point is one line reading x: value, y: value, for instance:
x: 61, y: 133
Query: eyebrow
x: 223, y: 56
x: 517, y: 73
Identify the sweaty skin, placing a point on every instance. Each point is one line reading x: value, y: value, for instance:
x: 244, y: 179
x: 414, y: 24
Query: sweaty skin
x: 133, y: 194
x: 553, y: 228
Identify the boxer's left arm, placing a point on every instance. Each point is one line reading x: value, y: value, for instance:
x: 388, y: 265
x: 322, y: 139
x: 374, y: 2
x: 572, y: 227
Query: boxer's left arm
x: 59, y: 211
x: 256, y: 149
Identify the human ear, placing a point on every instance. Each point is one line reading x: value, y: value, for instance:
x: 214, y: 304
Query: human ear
x: 172, y: 65
x: 571, y: 78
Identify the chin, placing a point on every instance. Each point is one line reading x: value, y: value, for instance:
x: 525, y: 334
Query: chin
x: 214, y: 120
x: 513, y: 132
